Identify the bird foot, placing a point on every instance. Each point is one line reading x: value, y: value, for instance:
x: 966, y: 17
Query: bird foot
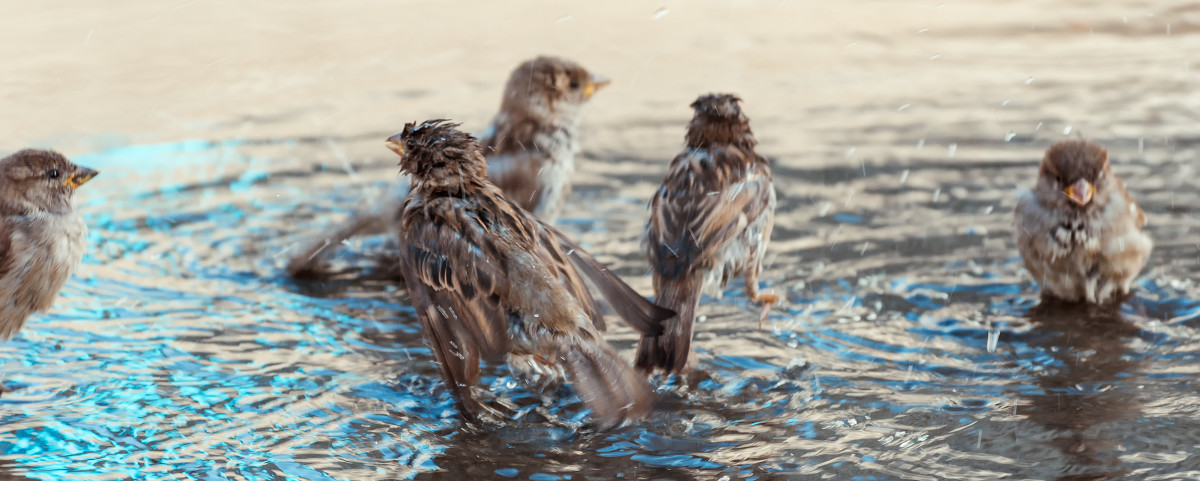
x: 768, y: 299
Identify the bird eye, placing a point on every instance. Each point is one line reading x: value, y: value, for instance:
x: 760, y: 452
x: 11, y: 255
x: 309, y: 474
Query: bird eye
x: 52, y: 173
x: 410, y: 145
x: 574, y: 83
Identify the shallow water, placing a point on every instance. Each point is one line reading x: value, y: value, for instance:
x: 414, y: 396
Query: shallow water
x: 912, y: 344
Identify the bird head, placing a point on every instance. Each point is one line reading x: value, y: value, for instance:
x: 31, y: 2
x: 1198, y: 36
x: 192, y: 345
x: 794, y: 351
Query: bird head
x: 1072, y: 174
x: 718, y: 120
x: 437, y: 154
x: 41, y: 180
x: 549, y: 86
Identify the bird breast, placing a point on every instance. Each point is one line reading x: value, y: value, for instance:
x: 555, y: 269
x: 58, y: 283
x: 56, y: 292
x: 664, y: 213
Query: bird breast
x: 47, y: 249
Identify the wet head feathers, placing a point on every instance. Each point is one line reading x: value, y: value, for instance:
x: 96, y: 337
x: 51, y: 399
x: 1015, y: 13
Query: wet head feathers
x: 435, y: 151
x: 1071, y: 160
x: 718, y: 120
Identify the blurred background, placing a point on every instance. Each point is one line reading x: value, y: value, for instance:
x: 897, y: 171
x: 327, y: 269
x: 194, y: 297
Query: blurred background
x: 911, y: 345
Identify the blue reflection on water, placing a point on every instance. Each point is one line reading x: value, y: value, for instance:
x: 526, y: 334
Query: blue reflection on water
x: 225, y: 371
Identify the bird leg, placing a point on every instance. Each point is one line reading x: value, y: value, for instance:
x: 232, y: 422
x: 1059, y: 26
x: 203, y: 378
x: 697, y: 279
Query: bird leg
x: 768, y: 298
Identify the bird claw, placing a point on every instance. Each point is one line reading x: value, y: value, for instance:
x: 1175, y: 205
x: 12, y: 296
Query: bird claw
x: 768, y: 299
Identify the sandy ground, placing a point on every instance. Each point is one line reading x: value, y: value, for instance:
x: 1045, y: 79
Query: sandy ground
x: 80, y: 76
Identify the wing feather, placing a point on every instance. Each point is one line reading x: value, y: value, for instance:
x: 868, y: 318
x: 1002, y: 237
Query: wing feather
x: 706, y: 205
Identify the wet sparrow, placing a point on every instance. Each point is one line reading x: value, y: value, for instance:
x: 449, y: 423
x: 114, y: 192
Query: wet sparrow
x: 489, y: 279
x: 710, y: 221
x: 42, y: 238
x: 1078, y: 231
x: 530, y: 147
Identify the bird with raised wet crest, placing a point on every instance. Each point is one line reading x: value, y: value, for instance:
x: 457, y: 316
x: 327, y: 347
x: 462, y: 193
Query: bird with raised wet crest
x: 530, y: 146
x: 490, y: 280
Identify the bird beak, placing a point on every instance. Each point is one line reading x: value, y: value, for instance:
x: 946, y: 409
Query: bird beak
x: 1080, y: 192
x: 596, y: 82
x: 80, y: 176
x: 395, y: 145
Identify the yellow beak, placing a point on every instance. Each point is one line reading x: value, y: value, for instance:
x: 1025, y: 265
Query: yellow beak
x: 596, y: 82
x: 1080, y: 192
x: 80, y: 176
x: 395, y: 145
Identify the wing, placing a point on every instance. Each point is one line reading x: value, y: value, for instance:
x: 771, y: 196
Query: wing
x: 8, y: 219
x: 703, y: 204
x: 456, y: 285
x: 641, y: 314
x: 1033, y: 224
x: 559, y: 258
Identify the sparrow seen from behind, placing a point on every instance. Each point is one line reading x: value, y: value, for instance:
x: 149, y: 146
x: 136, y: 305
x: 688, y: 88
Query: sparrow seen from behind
x: 530, y: 147
x: 490, y: 280
x: 1078, y: 231
x: 710, y: 221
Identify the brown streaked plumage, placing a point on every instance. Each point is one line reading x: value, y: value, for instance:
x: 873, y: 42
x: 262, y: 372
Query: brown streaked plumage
x: 42, y: 238
x: 530, y: 147
x: 710, y: 221
x: 1078, y: 230
x: 489, y: 279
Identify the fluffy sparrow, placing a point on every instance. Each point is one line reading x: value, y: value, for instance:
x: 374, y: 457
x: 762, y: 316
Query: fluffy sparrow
x: 710, y: 221
x: 530, y: 148
x: 42, y: 238
x: 1078, y: 231
x: 489, y: 279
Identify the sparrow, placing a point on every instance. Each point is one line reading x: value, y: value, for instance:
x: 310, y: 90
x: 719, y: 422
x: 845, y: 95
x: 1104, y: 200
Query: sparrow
x: 42, y: 238
x: 489, y: 279
x: 530, y: 147
x: 1078, y: 231
x: 711, y: 220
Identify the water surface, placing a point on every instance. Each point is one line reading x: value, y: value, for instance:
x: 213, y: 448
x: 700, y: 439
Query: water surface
x: 912, y: 345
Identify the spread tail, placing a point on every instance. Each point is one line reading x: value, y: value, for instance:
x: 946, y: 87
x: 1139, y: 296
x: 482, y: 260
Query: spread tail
x: 611, y: 389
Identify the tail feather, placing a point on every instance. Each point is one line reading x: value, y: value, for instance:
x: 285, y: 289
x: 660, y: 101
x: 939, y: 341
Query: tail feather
x: 671, y: 350
x: 611, y: 389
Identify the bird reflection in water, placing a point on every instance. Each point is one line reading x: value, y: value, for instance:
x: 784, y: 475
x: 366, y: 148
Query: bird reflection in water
x: 8, y: 470
x: 1090, y: 387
